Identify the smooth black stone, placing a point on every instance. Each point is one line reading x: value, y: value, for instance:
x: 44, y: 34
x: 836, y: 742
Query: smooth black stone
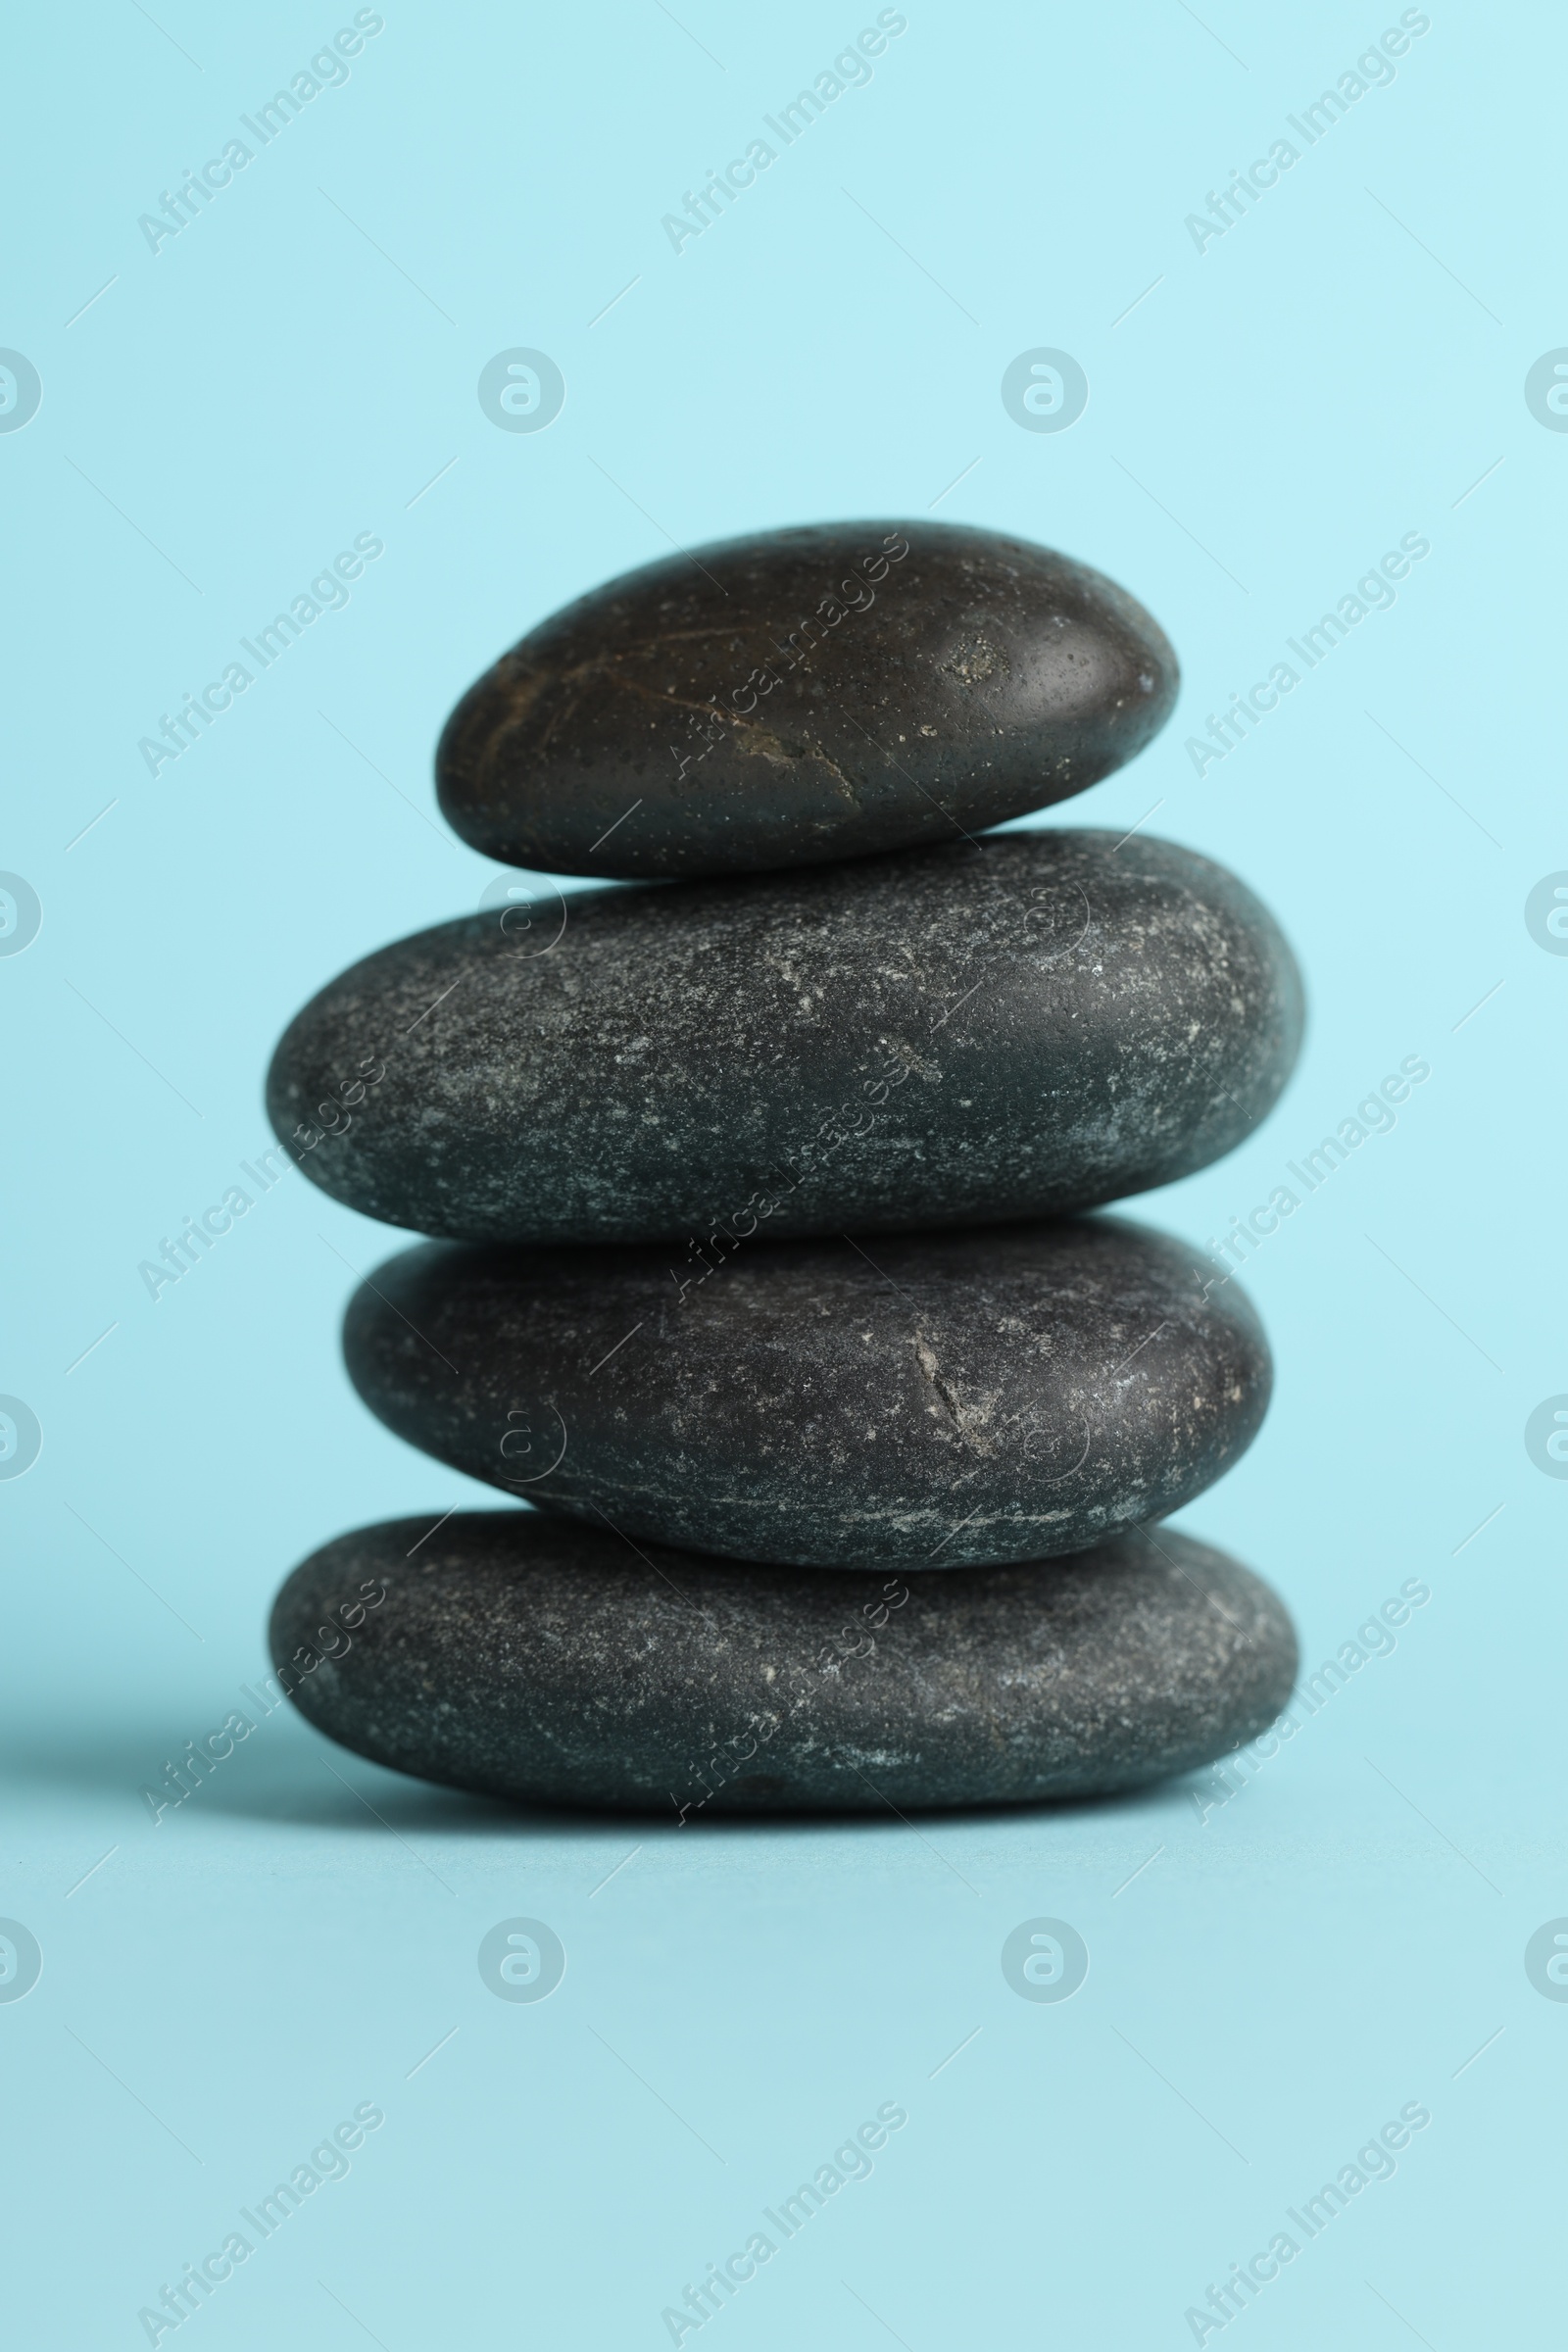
x: 537, y: 1661
x: 940, y: 1401
x: 801, y: 696
x: 1037, y: 1023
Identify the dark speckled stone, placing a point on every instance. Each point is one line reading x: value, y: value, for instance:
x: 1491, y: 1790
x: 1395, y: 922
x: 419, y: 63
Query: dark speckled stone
x: 802, y: 696
x: 534, y: 1659
x: 1037, y: 1023
x: 933, y: 1401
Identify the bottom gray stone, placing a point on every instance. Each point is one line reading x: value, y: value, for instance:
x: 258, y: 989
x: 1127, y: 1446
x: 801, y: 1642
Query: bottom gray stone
x: 534, y: 1658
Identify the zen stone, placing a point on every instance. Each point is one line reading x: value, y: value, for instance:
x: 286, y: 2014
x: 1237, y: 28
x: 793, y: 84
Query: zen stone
x: 518, y: 1654
x: 926, y: 1401
x: 1033, y: 1023
x: 801, y: 696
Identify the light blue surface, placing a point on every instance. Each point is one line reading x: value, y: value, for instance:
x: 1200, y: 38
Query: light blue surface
x: 299, y: 366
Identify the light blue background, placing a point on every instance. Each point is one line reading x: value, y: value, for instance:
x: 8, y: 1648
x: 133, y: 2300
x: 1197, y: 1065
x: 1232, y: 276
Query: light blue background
x: 1342, y: 367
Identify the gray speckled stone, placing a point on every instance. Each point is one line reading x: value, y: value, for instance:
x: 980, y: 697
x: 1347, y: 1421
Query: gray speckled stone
x: 1036, y: 1023
x: 802, y: 696
x: 927, y: 1400
x: 534, y: 1659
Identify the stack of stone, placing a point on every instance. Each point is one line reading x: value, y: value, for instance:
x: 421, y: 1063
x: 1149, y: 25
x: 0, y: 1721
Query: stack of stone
x: 760, y: 1268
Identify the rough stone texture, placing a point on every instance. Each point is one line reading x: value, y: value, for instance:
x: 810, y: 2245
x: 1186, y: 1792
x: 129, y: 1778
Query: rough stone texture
x: 801, y: 696
x: 534, y: 1659
x: 1035, y: 1023
x: 934, y: 1401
